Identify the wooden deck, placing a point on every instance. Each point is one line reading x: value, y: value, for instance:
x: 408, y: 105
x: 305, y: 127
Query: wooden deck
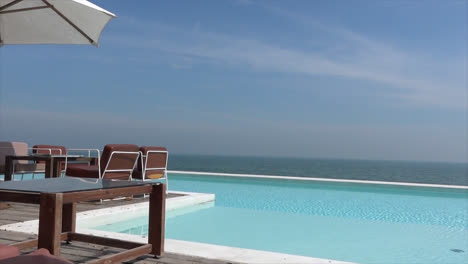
x: 78, y: 252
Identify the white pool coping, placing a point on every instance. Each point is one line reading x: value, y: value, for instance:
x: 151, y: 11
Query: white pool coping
x: 214, y: 174
x: 210, y: 251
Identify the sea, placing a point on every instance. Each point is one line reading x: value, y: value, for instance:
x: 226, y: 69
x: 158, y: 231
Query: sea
x: 373, y: 170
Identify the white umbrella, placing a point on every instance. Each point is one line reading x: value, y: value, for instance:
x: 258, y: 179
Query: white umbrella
x: 51, y: 22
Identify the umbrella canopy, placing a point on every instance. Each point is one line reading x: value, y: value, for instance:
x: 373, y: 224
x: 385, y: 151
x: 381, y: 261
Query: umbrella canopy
x: 51, y: 22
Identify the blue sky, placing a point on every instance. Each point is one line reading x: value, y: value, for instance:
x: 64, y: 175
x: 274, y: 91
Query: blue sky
x: 328, y: 79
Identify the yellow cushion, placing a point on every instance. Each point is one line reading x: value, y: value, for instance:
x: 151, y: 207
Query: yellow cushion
x: 153, y: 175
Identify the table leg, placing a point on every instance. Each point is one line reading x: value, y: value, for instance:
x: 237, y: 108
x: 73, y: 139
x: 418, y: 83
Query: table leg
x: 49, y: 167
x: 56, y: 168
x: 69, y: 217
x: 157, y: 219
x: 50, y: 222
x: 8, y: 168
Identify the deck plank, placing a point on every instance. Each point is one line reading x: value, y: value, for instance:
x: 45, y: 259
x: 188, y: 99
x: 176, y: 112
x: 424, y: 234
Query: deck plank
x: 79, y: 252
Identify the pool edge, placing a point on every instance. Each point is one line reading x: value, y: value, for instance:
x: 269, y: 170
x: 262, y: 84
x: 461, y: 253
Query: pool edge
x: 258, y: 176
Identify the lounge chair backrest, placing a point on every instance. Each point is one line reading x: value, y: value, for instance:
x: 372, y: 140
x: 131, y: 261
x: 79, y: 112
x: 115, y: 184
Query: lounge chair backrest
x: 157, y: 157
x: 49, y: 149
x: 8, y: 148
x: 155, y: 160
x: 113, y: 159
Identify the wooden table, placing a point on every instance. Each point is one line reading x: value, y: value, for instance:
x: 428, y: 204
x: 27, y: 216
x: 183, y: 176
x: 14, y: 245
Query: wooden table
x: 52, y: 163
x: 57, y: 198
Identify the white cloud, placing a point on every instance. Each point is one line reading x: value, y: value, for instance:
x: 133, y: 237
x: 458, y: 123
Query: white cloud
x: 420, y: 78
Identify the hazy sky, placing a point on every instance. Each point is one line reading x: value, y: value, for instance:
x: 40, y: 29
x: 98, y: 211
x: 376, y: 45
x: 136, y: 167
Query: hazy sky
x: 331, y: 79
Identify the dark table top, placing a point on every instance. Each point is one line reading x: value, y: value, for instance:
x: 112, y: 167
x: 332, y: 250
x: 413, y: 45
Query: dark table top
x: 66, y: 184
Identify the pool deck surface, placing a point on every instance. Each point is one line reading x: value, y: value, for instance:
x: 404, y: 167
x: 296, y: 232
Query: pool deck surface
x: 83, y: 252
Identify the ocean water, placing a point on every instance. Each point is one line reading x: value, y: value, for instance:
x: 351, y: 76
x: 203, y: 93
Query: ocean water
x: 395, y: 171
x: 374, y: 170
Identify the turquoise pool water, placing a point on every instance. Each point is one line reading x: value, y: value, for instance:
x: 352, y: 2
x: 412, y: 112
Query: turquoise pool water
x: 350, y: 222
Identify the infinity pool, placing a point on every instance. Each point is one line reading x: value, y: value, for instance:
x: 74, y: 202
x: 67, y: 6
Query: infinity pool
x: 343, y: 221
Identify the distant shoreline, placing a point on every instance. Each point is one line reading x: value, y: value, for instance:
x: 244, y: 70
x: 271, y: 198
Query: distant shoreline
x: 442, y: 173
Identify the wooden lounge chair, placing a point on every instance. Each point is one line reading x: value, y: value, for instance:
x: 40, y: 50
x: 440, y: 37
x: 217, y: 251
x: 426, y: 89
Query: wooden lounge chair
x: 8, y: 148
x: 152, y: 164
x: 117, y: 162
